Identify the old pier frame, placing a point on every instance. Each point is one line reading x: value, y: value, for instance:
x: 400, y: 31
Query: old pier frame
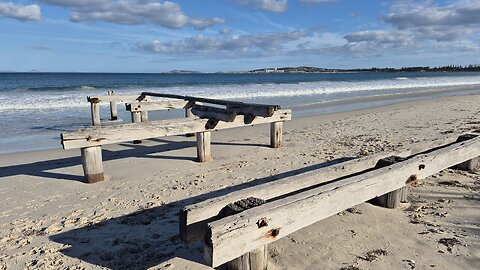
x: 194, y: 107
x: 200, y: 120
x: 113, y: 100
x: 230, y: 238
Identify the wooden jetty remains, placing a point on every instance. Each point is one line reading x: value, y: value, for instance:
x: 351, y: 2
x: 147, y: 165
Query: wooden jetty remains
x: 236, y: 228
x: 201, y: 119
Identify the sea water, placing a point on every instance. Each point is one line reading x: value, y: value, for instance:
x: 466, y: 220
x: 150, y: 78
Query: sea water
x: 36, y: 107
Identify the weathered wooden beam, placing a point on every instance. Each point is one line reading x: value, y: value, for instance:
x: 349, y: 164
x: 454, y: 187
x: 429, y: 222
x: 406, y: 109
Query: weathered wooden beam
x: 155, y: 105
x: 394, y: 198
x: 108, y: 98
x: 194, y: 218
x: 236, y: 235
x: 472, y: 164
x: 89, y: 136
x: 113, y: 107
x: 270, y: 108
x: 113, y: 111
x: 204, y: 152
x: 144, y: 116
x: 254, y: 260
x: 276, y: 134
x: 205, y: 112
x: 92, y: 164
x: 95, y: 110
x: 136, y: 118
x: 189, y: 114
x: 252, y: 110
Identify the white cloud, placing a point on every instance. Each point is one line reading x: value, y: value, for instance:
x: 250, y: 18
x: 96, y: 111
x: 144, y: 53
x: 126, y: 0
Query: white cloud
x: 409, y: 15
x: 421, y: 27
x: 317, y: 1
x: 226, y: 45
x: 452, y: 22
x: 267, y: 5
x: 20, y: 12
x: 131, y: 12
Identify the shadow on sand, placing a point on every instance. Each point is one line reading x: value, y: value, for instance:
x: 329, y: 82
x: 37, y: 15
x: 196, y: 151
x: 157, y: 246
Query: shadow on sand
x: 43, y: 168
x: 148, y: 237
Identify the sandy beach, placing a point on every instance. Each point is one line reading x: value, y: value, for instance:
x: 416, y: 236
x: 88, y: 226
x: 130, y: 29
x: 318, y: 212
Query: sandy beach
x: 50, y: 219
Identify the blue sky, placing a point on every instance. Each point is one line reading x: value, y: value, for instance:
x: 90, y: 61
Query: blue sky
x: 228, y: 35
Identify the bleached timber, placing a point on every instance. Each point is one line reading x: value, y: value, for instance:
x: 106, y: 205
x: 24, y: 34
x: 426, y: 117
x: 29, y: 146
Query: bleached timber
x: 136, y: 118
x: 112, y: 99
x: 95, y: 110
x: 92, y: 164
x: 204, y: 152
x: 213, y: 113
x: 233, y: 236
x: 121, y: 99
x: 194, y: 218
x: 155, y: 105
x: 265, y: 110
x: 276, y: 134
x: 113, y: 108
x: 88, y: 136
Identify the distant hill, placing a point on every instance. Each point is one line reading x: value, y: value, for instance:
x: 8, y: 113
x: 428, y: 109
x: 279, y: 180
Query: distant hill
x: 183, y: 72
x: 305, y: 69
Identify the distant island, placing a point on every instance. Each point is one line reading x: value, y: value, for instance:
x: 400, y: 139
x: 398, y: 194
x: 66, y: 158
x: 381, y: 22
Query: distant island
x: 176, y: 71
x: 304, y: 69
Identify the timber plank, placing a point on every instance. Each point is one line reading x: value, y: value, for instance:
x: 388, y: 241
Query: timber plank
x: 194, y: 218
x: 236, y: 235
x: 109, y: 98
x: 155, y: 105
x: 237, y: 104
x: 88, y: 136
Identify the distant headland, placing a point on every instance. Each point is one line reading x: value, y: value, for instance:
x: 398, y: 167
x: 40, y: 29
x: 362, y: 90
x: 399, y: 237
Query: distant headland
x: 305, y: 69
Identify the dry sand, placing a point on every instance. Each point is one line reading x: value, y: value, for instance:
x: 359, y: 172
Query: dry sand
x: 49, y: 219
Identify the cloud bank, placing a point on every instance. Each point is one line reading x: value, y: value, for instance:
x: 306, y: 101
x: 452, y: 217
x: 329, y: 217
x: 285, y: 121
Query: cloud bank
x: 225, y: 45
x: 422, y: 26
x: 165, y: 13
x: 20, y: 12
x: 266, y: 5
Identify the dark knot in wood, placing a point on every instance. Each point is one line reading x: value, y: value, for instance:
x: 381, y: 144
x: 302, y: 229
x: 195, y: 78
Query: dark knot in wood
x: 262, y: 223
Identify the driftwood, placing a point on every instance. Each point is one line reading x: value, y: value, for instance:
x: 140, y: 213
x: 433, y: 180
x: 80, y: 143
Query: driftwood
x: 205, y: 112
x: 155, y: 105
x: 90, y: 136
x: 193, y: 218
x: 254, y: 109
x: 233, y: 236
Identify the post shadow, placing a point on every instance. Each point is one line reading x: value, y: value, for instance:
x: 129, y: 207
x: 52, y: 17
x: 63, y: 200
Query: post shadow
x: 41, y: 168
x: 148, y: 237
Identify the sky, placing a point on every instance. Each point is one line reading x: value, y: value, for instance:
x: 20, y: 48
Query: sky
x: 232, y: 35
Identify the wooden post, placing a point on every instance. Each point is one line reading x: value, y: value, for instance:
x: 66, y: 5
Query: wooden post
x: 144, y: 116
x: 136, y: 118
x: 113, y: 108
x: 203, y: 146
x: 189, y: 114
x: 95, y: 108
x: 253, y: 260
x: 392, y: 199
x: 276, y: 134
x: 92, y: 164
x: 469, y: 165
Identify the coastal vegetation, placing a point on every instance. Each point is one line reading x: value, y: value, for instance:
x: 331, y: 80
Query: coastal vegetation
x: 305, y: 69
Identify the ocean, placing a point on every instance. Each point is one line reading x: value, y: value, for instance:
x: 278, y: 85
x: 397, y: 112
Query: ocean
x: 36, y: 107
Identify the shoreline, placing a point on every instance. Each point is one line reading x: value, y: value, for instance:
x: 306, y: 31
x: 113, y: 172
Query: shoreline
x: 49, y: 218
x: 336, y: 106
x: 368, y: 102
